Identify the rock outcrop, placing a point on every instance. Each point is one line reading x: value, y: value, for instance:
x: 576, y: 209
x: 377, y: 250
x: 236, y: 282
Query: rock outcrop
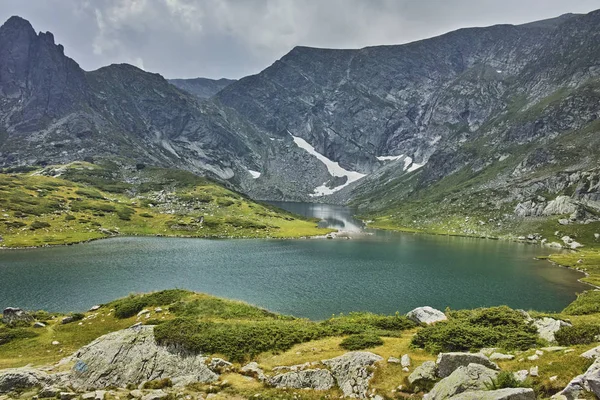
x: 472, y: 377
x: 13, y: 316
x: 351, y: 372
x: 131, y: 356
x: 23, y: 378
x: 317, y: 379
x: 547, y: 327
x: 424, y: 375
x: 447, y: 363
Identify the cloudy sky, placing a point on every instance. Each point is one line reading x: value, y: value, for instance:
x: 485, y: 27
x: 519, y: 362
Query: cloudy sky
x: 233, y: 38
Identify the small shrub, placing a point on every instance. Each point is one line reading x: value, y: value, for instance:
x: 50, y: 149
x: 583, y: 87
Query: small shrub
x: 38, y: 225
x: 70, y: 217
x: 15, y: 224
x: 225, y: 202
x: 239, y: 341
x: 130, y: 306
x: 471, y: 330
x: 8, y: 335
x: 146, y: 215
x: 158, y: 384
x: 361, y: 341
x: 90, y: 193
x: 125, y: 213
x: 577, y: 334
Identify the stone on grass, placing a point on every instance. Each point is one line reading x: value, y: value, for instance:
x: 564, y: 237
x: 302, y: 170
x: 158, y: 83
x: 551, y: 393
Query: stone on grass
x: 463, y: 379
x: 405, y: 361
x: 449, y: 362
x: 253, y: 370
x: 547, y: 327
x: 426, y: 315
x: 13, y: 315
x: 351, y: 372
x: 424, y: 374
x: 501, y: 356
x: 317, y: 379
x: 500, y: 394
x: 521, y: 375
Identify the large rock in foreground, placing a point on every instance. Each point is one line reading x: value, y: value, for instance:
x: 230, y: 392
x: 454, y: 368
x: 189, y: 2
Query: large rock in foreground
x: 317, y: 379
x: 500, y: 394
x: 351, y: 372
x: 464, y: 379
x: 426, y: 315
x: 23, y: 378
x: 447, y: 363
x: 131, y: 356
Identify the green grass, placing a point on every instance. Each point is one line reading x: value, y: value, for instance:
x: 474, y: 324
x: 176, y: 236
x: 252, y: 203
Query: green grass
x: 43, y: 210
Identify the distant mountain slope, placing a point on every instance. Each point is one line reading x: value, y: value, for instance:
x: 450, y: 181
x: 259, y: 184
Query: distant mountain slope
x: 495, y: 118
x: 202, y: 88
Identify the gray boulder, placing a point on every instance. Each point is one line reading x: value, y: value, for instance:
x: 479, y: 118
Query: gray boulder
x: 547, y: 327
x: 500, y: 394
x: 426, y: 315
x: 463, y: 379
x: 13, y: 315
x: 592, y: 353
x: 253, y: 370
x: 23, y: 378
x: 132, y: 356
x: 405, y: 360
x: 424, y: 374
x: 317, y: 379
x: 351, y: 372
x: 447, y: 363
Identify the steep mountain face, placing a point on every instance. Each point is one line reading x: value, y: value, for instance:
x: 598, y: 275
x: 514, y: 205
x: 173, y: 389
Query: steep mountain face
x: 51, y: 111
x: 480, y: 113
x: 498, y: 120
x: 202, y: 88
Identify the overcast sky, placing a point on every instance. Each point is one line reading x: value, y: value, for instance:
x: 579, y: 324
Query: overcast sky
x: 234, y: 38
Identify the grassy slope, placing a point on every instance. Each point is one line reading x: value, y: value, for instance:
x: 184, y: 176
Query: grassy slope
x: 87, y: 202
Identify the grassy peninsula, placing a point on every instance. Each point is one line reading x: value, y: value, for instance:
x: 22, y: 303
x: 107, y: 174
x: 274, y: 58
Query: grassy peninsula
x: 82, y: 201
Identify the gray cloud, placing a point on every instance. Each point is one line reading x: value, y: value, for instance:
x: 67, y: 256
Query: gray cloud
x: 233, y: 38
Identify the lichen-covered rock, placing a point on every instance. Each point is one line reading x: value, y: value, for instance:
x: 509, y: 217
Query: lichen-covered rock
x: 132, y: 356
x: 447, y: 363
x: 592, y: 353
x: 317, y: 379
x: 405, y: 361
x: 13, y: 315
x: 23, y: 378
x: 424, y: 374
x: 500, y: 394
x: 463, y: 379
x: 351, y: 372
x: 426, y: 315
x: 253, y: 370
x: 547, y: 327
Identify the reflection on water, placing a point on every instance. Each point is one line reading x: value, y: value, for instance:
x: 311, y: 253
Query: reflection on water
x: 336, y: 217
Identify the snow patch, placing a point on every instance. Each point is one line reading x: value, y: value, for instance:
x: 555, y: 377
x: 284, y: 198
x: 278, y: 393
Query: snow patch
x: 390, y: 158
x: 255, y: 174
x: 414, y: 167
x: 333, y: 168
